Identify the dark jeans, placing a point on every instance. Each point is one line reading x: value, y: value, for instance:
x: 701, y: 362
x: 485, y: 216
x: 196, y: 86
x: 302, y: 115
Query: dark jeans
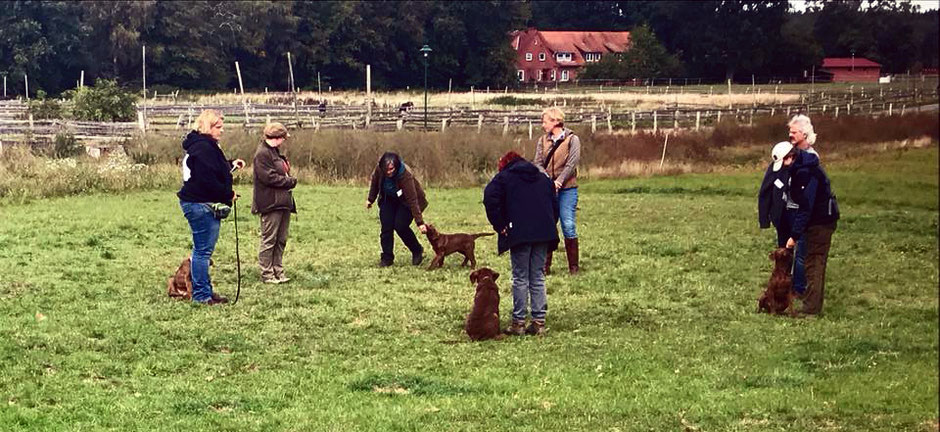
x: 818, y: 242
x: 396, y: 217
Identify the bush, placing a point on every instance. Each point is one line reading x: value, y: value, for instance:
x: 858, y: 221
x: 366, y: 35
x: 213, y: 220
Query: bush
x: 103, y: 102
x: 65, y: 146
x: 43, y: 108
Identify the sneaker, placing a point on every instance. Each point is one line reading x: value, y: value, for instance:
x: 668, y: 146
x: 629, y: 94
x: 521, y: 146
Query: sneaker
x: 417, y: 258
x: 536, y: 328
x: 271, y: 281
x: 283, y: 279
x: 517, y: 328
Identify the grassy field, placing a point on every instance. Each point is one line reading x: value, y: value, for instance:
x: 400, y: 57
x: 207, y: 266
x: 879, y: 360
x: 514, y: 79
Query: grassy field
x: 658, y: 334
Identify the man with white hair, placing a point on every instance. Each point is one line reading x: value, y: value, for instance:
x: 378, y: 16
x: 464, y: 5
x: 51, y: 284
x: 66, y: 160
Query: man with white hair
x: 802, y: 135
x: 816, y: 216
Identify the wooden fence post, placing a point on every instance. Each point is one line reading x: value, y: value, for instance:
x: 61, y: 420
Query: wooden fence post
x: 655, y: 125
x: 663, y: 160
x: 443, y: 124
x: 719, y: 117
x: 400, y: 123
x: 610, y: 127
x: 593, y: 123
x: 698, y: 119
x: 837, y: 112
x: 633, y: 121
x: 530, y: 129
x: 675, y: 120
x: 890, y: 108
x: 505, y: 125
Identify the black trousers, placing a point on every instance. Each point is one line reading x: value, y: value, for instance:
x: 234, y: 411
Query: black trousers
x: 396, y: 217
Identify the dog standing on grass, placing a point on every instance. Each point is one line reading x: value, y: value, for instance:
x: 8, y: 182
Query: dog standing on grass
x: 777, y: 299
x: 446, y: 244
x: 483, y: 321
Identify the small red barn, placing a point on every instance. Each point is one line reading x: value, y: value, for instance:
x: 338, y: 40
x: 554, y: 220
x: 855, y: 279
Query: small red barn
x: 549, y: 56
x: 852, y: 69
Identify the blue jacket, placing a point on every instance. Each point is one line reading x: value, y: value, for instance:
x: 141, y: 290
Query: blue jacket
x: 207, y: 175
x: 810, y: 189
x: 771, y: 200
x: 521, y: 199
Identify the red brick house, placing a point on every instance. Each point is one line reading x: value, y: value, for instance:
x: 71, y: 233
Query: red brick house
x: 849, y: 69
x: 550, y: 56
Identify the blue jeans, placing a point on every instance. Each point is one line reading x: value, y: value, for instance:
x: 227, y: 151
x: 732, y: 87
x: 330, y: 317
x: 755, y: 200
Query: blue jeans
x: 205, y: 228
x: 799, y: 265
x: 567, y: 204
x: 528, y: 280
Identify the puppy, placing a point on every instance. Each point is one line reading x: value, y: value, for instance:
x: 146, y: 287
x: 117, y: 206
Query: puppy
x: 483, y: 321
x: 778, y: 297
x: 446, y: 244
x: 180, y: 285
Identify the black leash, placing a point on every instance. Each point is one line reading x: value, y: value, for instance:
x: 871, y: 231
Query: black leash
x: 238, y: 260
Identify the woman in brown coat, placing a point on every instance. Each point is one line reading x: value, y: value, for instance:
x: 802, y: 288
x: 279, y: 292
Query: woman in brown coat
x: 274, y: 201
x: 401, y: 200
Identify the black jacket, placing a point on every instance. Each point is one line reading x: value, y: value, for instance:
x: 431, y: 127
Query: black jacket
x: 771, y: 200
x: 521, y: 199
x: 810, y: 189
x: 207, y: 175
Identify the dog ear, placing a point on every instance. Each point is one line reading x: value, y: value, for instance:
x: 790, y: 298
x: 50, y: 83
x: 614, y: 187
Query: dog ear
x: 495, y: 276
x: 473, y: 277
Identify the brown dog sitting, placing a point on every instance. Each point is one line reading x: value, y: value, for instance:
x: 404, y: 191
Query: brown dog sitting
x: 483, y: 321
x: 180, y: 285
x: 446, y: 244
x: 778, y: 297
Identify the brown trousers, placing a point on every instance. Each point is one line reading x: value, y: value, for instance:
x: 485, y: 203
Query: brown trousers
x: 818, y: 241
x: 274, y: 227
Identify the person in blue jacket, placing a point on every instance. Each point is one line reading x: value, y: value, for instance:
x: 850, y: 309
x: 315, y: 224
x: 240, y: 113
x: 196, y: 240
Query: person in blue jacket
x: 774, y: 204
x: 207, y: 183
x: 521, y: 206
x: 814, y: 222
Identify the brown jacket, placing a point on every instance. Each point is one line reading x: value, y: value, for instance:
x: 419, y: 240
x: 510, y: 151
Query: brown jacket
x: 272, y: 181
x: 412, y: 195
x: 563, y: 166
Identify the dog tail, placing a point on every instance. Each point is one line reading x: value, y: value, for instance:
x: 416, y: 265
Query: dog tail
x: 476, y: 236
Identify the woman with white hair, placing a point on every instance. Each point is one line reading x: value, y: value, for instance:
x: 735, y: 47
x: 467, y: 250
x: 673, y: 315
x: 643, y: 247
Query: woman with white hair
x: 206, y: 194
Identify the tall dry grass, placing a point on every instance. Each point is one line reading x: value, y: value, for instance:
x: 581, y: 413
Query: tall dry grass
x: 458, y: 157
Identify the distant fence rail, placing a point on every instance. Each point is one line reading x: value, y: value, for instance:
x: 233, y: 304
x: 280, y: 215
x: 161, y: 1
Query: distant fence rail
x: 17, y: 125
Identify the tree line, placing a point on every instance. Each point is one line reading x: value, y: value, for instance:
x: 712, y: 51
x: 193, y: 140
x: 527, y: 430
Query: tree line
x: 194, y: 45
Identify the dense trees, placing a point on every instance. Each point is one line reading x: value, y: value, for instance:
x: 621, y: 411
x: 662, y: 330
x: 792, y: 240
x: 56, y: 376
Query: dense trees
x: 195, y: 44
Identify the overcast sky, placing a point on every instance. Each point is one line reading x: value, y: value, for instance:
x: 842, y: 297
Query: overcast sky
x: 800, y: 5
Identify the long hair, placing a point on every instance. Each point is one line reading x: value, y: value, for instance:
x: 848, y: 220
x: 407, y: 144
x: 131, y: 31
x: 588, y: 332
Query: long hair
x: 389, y: 158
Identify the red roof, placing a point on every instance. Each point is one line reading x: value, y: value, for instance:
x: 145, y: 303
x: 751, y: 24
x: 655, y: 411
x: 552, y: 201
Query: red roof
x: 847, y: 62
x: 586, y: 41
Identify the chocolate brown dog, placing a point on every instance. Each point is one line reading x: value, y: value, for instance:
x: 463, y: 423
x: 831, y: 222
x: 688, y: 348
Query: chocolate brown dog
x: 180, y: 285
x: 446, y: 244
x: 777, y: 299
x: 483, y: 321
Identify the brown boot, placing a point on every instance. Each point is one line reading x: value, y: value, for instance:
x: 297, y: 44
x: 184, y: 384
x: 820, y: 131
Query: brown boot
x: 517, y: 328
x: 536, y: 328
x: 571, y: 249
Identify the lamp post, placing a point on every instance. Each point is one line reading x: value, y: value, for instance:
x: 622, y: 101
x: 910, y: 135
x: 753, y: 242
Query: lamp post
x: 426, y: 50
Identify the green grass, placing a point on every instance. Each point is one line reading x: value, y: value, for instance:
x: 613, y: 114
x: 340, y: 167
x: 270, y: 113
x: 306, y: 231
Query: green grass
x: 658, y: 334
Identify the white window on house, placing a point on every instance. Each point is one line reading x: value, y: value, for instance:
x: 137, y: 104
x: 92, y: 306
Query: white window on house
x: 564, y: 75
x: 563, y: 56
x: 516, y: 44
x: 541, y: 74
x: 528, y: 56
x: 592, y: 57
x: 553, y: 74
x: 542, y: 56
x: 520, y: 74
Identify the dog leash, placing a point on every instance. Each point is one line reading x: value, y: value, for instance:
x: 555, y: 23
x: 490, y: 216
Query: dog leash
x: 238, y: 260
